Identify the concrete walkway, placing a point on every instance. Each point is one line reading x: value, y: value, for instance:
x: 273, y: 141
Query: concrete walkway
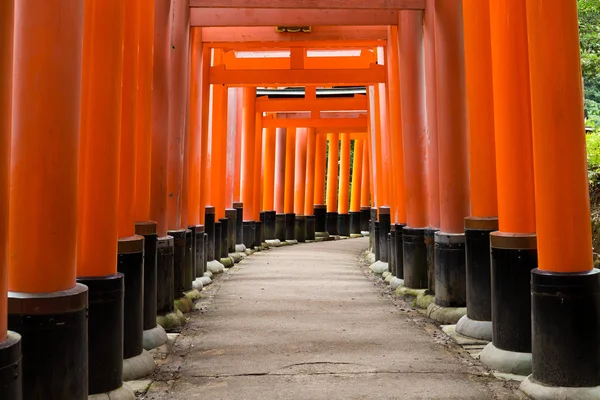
x: 303, y: 322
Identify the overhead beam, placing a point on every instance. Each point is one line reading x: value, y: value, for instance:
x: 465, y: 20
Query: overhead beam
x: 316, y: 4
x: 321, y: 77
x: 360, y: 36
x: 233, y: 63
x: 329, y: 123
x: 358, y: 103
x: 323, y: 115
x: 220, y: 16
x: 356, y: 131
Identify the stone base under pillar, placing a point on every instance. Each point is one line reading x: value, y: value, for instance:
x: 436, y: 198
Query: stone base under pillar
x: 155, y: 337
x: 122, y: 393
x: 240, y: 248
x: 474, y: 329
x: 445, y: 315
x: 215, y: 267
x: 379, y: 267
x: 537, y: 391
x: 138, y: 367
x: 510, y: 362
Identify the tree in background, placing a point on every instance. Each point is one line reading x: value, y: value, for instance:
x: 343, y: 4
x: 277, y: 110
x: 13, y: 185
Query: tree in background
x: 589, y: 32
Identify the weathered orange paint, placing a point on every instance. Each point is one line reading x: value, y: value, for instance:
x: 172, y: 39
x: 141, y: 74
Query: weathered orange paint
x: 143, y: 128
x: 561, y: 188
x: 218, y: 148
x: 44, y: 166
x: 194, y: 148
x: 290, y: 164
x: 128, y: 119
x: 300, y: 170
x: 357, y: 175
x: 433, y: 172
x: 512, y: 109
x: 269, y: 169
x: 98, y: 190
x: 258, y: 170
x: 160, y: 116
x: 311, y: 146
x: 478, y: 65
x: 365, y: 187
x: 452, y: 116
x: 344, y: 190
x: 6, y: 68
x: 325, y: 63
x: 320, y: 160
x: 380, y: 197
x: 332, y: 172
x: 356, y: 103
x: 205, y: 108
x: 248, y: 133
x: 237, y: 166
x: 384, y: 133
x: 280, y: 147
x: 414, y: 123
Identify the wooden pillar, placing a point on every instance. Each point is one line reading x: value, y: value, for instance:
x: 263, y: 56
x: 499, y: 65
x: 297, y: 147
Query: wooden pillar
x: 238, y: 147
x: 332, y: 172
x: 269, y: 169
x: 300, y: 170
x: 230, y: 150
x: 258, y: 166
x: 357, y: 175
x: 281, y: 144
x: 366, y: 178
x: 203, y: 125
x: 290, y: 163
x: 344, y: 183
x: 195, y: 144
x: 320, y: 160
x: 248, y: 134
x: 311, y: 148
x: 218, y: 142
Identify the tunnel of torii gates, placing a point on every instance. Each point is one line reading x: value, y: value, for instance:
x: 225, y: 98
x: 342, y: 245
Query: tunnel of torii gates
x: 142, y: 142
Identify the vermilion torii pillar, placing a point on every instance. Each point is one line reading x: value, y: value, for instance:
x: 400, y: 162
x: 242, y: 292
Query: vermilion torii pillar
x: 300, y: 184
x: 309, y: 204
x: 320, y: 209
x: 279, y: 196
x: 290, y: 164
x: 482, y: 170
x: 268, y: 200
x: 10, y: 342
x: 365, y: 191
x: 99, y: 144
x: 45, y: 303
x: 258, y: 180
x: 332, y: 183
x: 513, y: 247
x: 248, y: 150
x: 565, y: 306
x: 357, y: 186
x: 453, y: 158
x: 344, y: 187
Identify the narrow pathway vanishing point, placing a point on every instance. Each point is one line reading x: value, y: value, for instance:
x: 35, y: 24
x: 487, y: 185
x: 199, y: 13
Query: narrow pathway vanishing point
x: 303, y: 322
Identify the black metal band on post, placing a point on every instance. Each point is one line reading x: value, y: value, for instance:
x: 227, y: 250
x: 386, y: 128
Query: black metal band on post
x: 217, y: 242
x: 355, y: 223
x: 375, y: 243
x: 148, y: 231
x: 198, y: 233
x: 130, y: 262
x: 165, y: 257
x: 332, y: 223
x: 224, y: 234
x: 415, y: 258
x: 189, y: 267
x: 300, y: 228
x: 179, y: 250
x: 11, y: 368
x: 450, y: 270
x: 565, y: 328
x: 344, y: 225
x: 205, y: 262
x: 249, y: 234
x: 290, y: 225
x: 239, y: 222
x: 384, y: 229
x: 399, y: 250
x: 514, y: 256
x: 430, y: 245
x: 258, y: 233
x: 365, y: 216
x: 269, y: 225
x: 372, y: 232
x: 263, y: 217
x: 477, y: 242
x: 105, y: 331
x: 310, y: 228
x: 320, y: 218
x: 209, y: 229
x: 231, y: 215
x: 280, y: 230
x: 54, y: 334
x: 391, y: 242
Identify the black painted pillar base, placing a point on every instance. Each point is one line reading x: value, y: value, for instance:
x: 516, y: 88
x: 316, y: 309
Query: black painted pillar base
x: 11, y: 370
x: 205, y: 263
x: 249, y: 234
x: 430, y: 245
x: 344, y: 225
x: 290, y: 226
x: 218, y: 238
x: 415, y: 258
x: 300, y: 229
x: 355, y: 223
x: 231, y: 215
x: 513, y: 258
x: 165, y: 259
x: 365, y: 216
x: 450, y: 269
x: 54, y: 334
x: 224, y: 234
x: 189, y: 267
x: 198, y: 233
x: 384, y: 229
x: 373, y: 243
x: 376, y: 246
x: 179, y: 261
x: 280, y: 227
x: 391, y: 242
x: 262, y: 217
x: 310, y: 228
x: 105, y: 331
x: 479, y: 296
x: 148, y: 231
x: 209, y: 229
x: 398, y: 248
x: 269, y: 225
x: 239, y: 223
x: 130, y: 262
x: 565, y: 310
x: 332, y: 223
x: 258, y: 233
x: 320, y: 218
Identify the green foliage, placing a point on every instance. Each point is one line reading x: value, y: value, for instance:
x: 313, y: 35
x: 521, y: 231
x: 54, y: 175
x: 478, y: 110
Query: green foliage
x: 589, y: 32
x: 593, y: 159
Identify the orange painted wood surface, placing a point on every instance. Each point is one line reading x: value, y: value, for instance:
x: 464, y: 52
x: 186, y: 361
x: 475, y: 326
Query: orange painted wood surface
x: 344, y: 184
x: 561, y: 184
x: 356, y: 103
x: 248, y: 133
x: 320, y: 165
x: 237, y: 167
x: 42, y: 234
x: 512, y: 109
x: 6, y: 68
x: 357, y: 175
x: 281, y: 144
x: 452, y: 116
x: 316, y: 4
x: 290, y: 165
x: 99, y: 157
x: 480, y: 101
x: 205, y: 107
x: 365, y: 189
x: 218, y: 149
x: 300, y: 170
x: 360, y: 123
x: 258, y: 168
x: 332, y: 172
x: 194, y: 149
x: 270, y: 142
x: 311, y: 148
